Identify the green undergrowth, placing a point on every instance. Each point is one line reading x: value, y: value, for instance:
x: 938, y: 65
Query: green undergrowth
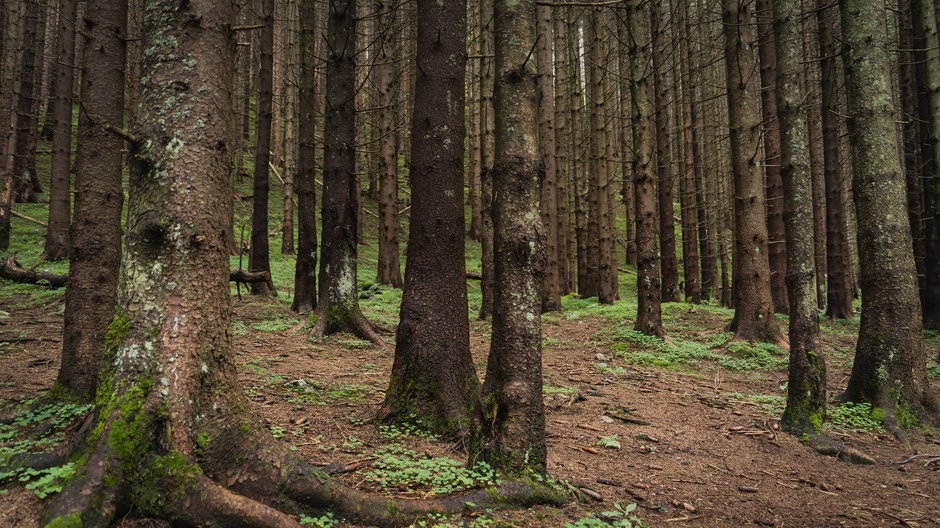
x: 622, y: 516
x: 856, y: 417
x: 397, y: 468
x: 36, y: 430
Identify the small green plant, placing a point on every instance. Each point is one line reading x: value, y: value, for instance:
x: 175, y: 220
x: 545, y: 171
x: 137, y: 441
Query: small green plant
x: 604, y: 368
x: 856, y: 417
x: 753, y: 356
x: 277, y: 431
x: 403, y: 469
x: 327, y: 520
x: 551, y: 389
x: 620, y: 517
x: 933, y: 371
x: 278, y: 324
x: 719, y: 340
x: 610, y: 442
x: 411, y: 426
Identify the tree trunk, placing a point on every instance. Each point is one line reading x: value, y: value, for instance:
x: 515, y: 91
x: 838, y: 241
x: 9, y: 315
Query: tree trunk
x: 839, y: 289
x: 806, y: 387
x: 474, y: 84
x: 338, y: 306
x: 258, y: 259
x: 25, y: 142
x: 389, y: 264
x: 95, y: 233
x: 551, y: 285
x: 811, y: 73
x: 753, y: 304
x: 487, y: 84
x: 432, y: 375
x: 57, y: 242
x: 649, y: 312
x: 662, y: 95
x: 512, y: 409
x: 562, y: 150
x: 890, y: 367
x: 305, y: 278
x: 289, y: 96
x: 777, y: 246
x: 687, y: 186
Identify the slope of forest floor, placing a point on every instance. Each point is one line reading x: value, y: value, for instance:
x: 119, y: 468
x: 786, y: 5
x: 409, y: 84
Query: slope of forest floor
x: 687, y: 431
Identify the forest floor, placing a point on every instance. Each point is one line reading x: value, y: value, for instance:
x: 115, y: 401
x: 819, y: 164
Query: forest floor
x: 687, y: 431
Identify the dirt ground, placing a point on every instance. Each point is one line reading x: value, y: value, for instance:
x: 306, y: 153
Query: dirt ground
x: 708, y: 455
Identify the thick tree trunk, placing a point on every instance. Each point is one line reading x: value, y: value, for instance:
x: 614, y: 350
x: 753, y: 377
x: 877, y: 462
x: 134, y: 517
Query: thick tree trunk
x: 432, y: 376
x: 57, y: 242
x: 338, y: 306
x: 753, y: 304
x: 386, y: 78
x: 688, y: 196
x: 512, y: 409
x: 95, y: 233
x: 839, y: 289
x: 258, y: 259
x: 305, y: 271
x: 806, y: 388
x: 551, y: 285
x: 662, y: 101
x: 811, y: 74
x: 777, y: 246
x: 25, y: 119
x: 649, y: 312
x: 890, y: 368
x: 289, y: 96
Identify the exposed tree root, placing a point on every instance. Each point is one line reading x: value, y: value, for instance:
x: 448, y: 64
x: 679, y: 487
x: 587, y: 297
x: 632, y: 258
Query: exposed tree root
x: 213, y: 505
x: 825, y: 445
x: 356, y: 324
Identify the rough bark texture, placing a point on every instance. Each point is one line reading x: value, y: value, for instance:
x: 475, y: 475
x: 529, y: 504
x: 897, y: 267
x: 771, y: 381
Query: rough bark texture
x: 57, y: 235
x: 562, y: 152
x: 258, y: 259
x: 305, y: 271
x: 512, y: 408
x: 688, y: 196
x: 838, y: 289
x: 551, y: 285
x: 488, y: 146
x: 25, y: 145
x: 890, y: 367
x: 95, y: 234
x: 338, y: 306
x: 649, y: 318
x: 289, y: 97
x: 776, y: 238
x: 389, y: 265
x: 806, y: 388
x: 753, y: 305
x: 432, y: 375
x: 662, y: 100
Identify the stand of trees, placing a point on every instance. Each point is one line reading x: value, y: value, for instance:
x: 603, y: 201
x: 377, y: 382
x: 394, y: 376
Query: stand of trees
x: 573, y: 137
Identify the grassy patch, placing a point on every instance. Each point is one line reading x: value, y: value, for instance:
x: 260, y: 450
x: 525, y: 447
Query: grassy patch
x: 397, y: 468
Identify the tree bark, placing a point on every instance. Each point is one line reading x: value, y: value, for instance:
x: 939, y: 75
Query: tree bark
x: 777, y: 244
x: 649, y: 312
x: 338, y: 306
x: 25, y: 119
x: 95, y: 233
x: 258, y: 259
x: 488, y: 146
x: 305, y: 278
x: 289, y: 100
x: 890, y: 367
x: 513, y: 414
x: 562, y: 151
x: 57, y: 242
x: 432, y: 375
x: 662, y: 100
x: 389, y: 264
x: 806, y: 387
x: 839, y: 289
x: 551, y: 281
x: 688, y: 195
x: 753, y: 304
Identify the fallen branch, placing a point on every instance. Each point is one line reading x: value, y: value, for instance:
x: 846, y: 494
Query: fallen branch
x: 28, y: 218
x: 11, y: 270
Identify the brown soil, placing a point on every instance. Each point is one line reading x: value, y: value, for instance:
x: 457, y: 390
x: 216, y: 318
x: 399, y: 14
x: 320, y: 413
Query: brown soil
x: 686, y: 468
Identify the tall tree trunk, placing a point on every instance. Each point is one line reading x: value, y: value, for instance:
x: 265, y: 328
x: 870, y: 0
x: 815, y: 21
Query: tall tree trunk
x: 95, y: 233
x: 338, y: 306
x: 662, y: 100
x: 551, y: 281
x: 625, y: 104
x: 806, y: 388
x: 910, y: 139
x: 389, y: 263
x: 512, y: 408
x: 890, y: 367
x: 488, y: 146
x: 777, y: 244
x: 25, y: 120
x: 576, y: 93
x: 839, y: 289
x: 289, y: 102
x: 928, y: 73
x: 562, y: 150
x: 753, y: 304
x: 305, y: 271
x: 687, y: 182
x: 432, y: 375
x: 57, y: 242
x: 258, y: 259
x: 649, y: 312
x: 474, y: 84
